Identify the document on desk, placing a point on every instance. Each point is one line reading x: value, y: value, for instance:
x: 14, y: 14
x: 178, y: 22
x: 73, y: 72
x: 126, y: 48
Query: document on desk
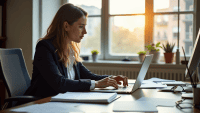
x: 160, y: 101
x: 134, y: 106
x: 148, y: 84
x: 154, y: 79
x: 187, y: 95
x: 176, y: 83
x: 152, y: 86
x: 50, y: 107
x: 91, y: 97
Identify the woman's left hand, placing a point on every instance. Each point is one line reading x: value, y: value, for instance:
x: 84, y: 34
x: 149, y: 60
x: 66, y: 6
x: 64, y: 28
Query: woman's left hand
x: 119, y: 78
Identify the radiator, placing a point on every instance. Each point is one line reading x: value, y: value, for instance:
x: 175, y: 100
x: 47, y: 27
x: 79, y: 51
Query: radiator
x: 132, y: 73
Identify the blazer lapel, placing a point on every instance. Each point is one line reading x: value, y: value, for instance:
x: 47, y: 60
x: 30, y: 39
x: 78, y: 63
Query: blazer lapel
x: 77, y: 74
x: 64, y: 70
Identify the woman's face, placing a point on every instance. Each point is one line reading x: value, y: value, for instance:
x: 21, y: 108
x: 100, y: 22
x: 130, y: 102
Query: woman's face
x: 77, y: 30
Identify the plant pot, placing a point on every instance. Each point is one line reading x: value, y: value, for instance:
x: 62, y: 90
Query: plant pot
x: 169, y: 57
x: 141, y: 57
x: 156, y: 56
x: 94, y: 57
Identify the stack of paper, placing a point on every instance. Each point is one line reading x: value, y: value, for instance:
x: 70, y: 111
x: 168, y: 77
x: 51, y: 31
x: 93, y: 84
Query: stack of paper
x: 91, y: 97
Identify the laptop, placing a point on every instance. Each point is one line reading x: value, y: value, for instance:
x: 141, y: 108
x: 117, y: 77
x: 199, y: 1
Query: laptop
x: 131, y: 87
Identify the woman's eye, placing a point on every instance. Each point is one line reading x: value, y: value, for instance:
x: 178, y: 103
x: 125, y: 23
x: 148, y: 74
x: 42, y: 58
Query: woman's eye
x: 81, y: 26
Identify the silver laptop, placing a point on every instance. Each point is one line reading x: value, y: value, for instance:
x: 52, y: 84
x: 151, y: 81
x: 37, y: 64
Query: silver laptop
x: 131, y: 87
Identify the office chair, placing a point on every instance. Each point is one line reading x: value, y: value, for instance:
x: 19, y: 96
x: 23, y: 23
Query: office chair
x: 15, y: 77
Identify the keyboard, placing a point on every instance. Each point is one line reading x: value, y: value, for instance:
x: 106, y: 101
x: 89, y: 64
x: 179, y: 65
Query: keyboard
x: 127, y: 88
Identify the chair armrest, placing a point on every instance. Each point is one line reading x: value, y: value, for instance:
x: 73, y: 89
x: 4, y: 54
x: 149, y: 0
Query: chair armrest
x: 22, y: 98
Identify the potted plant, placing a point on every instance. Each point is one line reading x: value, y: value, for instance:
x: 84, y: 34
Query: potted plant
x: 155, y: 51
x: 94, y: 55
x: 141, y: 55
x: 168, y: 48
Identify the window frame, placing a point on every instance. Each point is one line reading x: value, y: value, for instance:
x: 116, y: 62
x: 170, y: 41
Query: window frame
x: 149, y: 15
x: 148, y: 30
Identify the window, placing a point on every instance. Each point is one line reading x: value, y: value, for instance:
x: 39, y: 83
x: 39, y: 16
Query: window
x: 158, y: 35
x: 179, y: 17
x: 165, y: 35
x: 122, y: 28
x: 175, y: 32
x: 91, y: 40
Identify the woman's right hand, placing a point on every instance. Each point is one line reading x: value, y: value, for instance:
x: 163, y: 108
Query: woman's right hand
x: 106, y: 82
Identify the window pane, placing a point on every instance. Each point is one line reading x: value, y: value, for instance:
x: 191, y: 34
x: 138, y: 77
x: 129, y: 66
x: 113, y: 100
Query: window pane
x: 187, y: 5
x: 126, y: 35
x: 186, y: 33
x: 166, y: 5
x: 93, y: 7
x: 166, y: 29
x: 126, y: 6
x: 92, y: 39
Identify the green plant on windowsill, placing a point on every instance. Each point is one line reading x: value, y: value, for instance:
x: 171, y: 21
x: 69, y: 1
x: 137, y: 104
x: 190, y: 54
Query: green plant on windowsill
x: 168, y: 48
x: 153, y: 47
x: 95, y: 52
x: 142, y: 52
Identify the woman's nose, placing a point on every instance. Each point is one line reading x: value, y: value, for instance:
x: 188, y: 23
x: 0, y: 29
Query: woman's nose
x: 84, y: 31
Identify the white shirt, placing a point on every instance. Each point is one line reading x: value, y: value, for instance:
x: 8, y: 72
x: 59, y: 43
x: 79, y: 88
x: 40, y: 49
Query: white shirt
x: 70, y: 69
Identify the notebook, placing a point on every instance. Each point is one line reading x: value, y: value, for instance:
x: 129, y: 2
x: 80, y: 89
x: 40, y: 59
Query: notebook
x: 86, y: 97
x: 131, y: 87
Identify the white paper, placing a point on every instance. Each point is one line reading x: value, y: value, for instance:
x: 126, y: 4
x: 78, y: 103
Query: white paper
x: 152, y: 85
x: 176, y: 83
x: 160, y: 80
x: 50, y: 107
x: 85, y: 97
x: 134, y: 106
x: 160, y: 101
x: 187, y: 95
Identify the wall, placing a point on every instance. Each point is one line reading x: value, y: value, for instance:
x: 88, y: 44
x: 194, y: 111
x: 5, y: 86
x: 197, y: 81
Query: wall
x: 0, y: 20
x: 43, y: 13
x: 27, y: 20
x: 19, y: 28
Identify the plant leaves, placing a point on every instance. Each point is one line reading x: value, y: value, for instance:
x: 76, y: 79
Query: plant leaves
x: 157, y: 45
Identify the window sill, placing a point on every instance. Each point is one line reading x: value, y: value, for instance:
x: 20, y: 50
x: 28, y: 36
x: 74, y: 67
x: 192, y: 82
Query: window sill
x: 132, y: 63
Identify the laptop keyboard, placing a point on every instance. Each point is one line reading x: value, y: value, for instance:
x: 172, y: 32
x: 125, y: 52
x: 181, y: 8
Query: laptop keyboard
x: 127, y: 88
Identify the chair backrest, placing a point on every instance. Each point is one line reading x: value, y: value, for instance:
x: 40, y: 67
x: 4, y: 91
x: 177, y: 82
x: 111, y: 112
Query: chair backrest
x: 15, y: 75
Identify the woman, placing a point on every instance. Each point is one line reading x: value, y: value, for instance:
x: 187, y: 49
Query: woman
x: 57, y: 66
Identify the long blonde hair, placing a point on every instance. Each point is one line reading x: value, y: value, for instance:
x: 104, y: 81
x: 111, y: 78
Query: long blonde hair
x: 70, y: 13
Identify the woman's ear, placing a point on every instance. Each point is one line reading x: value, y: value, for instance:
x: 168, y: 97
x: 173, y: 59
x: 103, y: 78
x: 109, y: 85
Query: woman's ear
x: 66, y: 26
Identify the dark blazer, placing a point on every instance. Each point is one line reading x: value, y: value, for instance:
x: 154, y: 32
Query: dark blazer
x: 49, y: 76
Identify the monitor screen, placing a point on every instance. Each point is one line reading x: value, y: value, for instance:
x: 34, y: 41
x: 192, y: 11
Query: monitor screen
x: 194, y: 58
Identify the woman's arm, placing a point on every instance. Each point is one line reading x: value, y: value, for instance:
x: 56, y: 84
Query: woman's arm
x: 45, y: 62
x: 86, y: 74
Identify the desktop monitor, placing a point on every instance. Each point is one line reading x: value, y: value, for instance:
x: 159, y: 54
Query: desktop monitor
x: 194, y: 62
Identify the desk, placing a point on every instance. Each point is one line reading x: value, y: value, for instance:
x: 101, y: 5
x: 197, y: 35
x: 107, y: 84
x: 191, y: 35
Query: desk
x: 86, y: 107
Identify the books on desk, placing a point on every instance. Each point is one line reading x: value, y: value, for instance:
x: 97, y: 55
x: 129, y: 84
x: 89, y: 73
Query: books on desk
x: 89, y: 97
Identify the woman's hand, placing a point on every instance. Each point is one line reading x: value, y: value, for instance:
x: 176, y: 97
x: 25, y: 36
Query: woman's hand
x: 119, y: 78
x: 106, y: 82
